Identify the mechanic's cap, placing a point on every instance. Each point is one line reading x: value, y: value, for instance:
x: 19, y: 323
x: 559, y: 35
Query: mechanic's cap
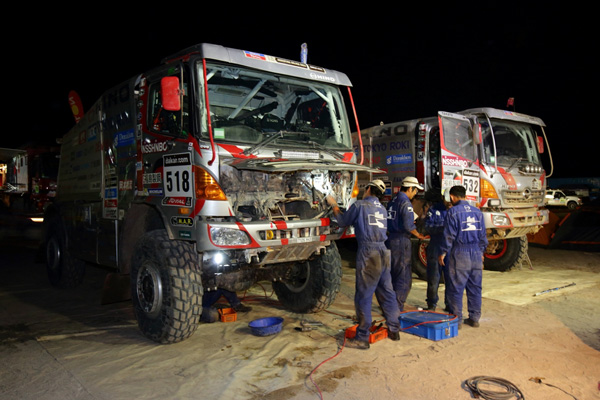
x: 411, y: 181
x: 447, y: 196
x: 378, y: 183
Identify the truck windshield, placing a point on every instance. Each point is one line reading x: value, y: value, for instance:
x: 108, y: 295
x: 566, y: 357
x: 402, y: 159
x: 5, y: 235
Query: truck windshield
x: 249, y: 106
x: 515, y: 142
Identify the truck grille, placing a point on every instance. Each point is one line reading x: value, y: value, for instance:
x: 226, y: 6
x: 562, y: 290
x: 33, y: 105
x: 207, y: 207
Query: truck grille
x: 523, y: 197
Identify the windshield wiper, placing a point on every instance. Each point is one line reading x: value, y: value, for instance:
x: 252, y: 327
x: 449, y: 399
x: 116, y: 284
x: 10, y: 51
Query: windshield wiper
x: 280, y: 134
x: 518, y: 160
x: 262, y: 143
x: 325, y: 149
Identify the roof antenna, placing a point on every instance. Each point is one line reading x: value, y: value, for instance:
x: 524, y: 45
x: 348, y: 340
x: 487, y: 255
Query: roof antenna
x: 304, y: 53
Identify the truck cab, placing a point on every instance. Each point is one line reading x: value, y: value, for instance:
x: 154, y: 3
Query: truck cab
x: 494, y: 153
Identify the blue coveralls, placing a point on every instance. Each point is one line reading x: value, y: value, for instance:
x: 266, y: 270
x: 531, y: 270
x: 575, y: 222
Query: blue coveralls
x: 464, y: 242
x: 401, y: 222
x: 434, y: 225
x: 209, y: 298
x: 369, y: 218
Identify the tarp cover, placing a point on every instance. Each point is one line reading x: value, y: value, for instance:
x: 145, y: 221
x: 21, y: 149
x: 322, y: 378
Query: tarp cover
x: 578, y: 230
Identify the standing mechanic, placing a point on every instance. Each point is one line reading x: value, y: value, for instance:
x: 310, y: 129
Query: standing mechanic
x: 434, y: 226
x: 401, y: 226
x: 369, y: 218
x: 465, y: 241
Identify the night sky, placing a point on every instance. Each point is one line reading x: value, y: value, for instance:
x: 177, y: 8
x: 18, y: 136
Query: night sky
x: 404, y: 62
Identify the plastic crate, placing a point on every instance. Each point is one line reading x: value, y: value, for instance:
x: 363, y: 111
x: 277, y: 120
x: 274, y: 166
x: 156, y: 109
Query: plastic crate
x: 227, y: 315
x: 375, y: 336
x: 430, y: 325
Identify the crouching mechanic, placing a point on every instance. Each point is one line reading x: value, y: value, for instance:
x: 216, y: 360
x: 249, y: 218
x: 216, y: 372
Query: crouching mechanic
x: 369, y: 219
x: 465, y: 242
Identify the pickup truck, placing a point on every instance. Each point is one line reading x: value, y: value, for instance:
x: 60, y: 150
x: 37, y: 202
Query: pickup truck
x: 558, y: 198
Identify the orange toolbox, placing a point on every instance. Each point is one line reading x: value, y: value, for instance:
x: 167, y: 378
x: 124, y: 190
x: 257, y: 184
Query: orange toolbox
x: 227, y: 315
x: 376, y: 334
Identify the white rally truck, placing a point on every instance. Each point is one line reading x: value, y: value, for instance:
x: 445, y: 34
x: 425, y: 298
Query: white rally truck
x: 207, y: 172
x: 495, y: 154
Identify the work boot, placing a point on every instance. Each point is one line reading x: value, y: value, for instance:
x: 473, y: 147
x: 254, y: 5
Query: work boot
x: 431, y: 307
x: 242, y: 308
x: 209, y: 315
x: 393, y: 335
x: 472, y: 323
x: 357, y: 344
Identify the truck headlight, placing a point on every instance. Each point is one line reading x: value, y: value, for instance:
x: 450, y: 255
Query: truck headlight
x: 228, y: 237
x: 500, y: 220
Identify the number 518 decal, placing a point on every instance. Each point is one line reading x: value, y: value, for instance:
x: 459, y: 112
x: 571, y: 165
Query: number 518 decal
x: 177, y: 178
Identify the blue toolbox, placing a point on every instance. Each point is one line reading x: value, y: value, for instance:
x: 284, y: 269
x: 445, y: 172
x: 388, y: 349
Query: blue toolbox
x: 430, y: 325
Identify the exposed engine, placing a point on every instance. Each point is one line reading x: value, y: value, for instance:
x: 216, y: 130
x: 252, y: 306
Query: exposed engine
x: 257, y: 195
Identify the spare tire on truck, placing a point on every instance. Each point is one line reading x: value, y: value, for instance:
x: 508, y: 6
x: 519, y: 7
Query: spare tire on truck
x: 313, y: 285
x: 166, y: 287
x: 508, y: 253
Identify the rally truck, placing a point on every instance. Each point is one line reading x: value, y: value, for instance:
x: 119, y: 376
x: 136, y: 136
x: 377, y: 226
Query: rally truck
x: 495, y: 154
x: 207, y: 172
x: 28, y: 178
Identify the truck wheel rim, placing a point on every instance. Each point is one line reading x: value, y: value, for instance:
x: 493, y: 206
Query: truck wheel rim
x: 300, y: 278
x: 149, y: 289
x: 499, y: 252
x: 422, y: 253
x: 53, y: 254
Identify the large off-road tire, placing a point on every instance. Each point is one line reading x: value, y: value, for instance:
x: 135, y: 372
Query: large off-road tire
x: 312, y: 285
x: 166, y: 287
x: 419, y: 259
x: 510, y: 253
x: 64, y: 270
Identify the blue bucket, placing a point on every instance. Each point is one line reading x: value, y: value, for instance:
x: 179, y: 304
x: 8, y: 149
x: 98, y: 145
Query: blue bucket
x: 266, y: 326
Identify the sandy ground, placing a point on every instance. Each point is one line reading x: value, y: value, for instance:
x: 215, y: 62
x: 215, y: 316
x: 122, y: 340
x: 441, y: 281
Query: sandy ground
x: 65, y: 345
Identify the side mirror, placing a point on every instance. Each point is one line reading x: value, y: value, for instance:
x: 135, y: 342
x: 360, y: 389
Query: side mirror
x: 477, y: 136
x: 170, y: 93
x: 540, y: 144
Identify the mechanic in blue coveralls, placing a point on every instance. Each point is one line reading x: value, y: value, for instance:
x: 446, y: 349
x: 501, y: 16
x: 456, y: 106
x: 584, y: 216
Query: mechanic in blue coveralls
x: 434, y: 227
x: 369, y: 219
x: 401, y: 225
x: 464, y: 242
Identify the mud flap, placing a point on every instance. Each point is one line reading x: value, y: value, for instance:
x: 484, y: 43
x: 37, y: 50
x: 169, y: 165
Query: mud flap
x: 117, y: 288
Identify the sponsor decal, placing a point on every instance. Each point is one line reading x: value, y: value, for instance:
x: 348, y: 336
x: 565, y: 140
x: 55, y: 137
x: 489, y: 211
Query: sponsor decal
x: 185, y: 234
x: 399, y: 159
x: 110, y: 193
x: 155, y: 147
x: 256, y: 56
x: 177, y: 201
x: 126, y: 185
x: 155, y: 192
x: 151, y: 178
x: 124, y: 138
x: 182, y: 221
x: 452, y: 161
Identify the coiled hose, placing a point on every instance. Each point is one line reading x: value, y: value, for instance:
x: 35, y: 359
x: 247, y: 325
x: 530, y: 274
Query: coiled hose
x: 483, y: 386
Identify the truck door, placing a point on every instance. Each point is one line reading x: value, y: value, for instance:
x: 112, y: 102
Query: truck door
x: 459, y: 159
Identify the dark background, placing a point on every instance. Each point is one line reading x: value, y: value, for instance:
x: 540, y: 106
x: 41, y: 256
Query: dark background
x: 405, y: 61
